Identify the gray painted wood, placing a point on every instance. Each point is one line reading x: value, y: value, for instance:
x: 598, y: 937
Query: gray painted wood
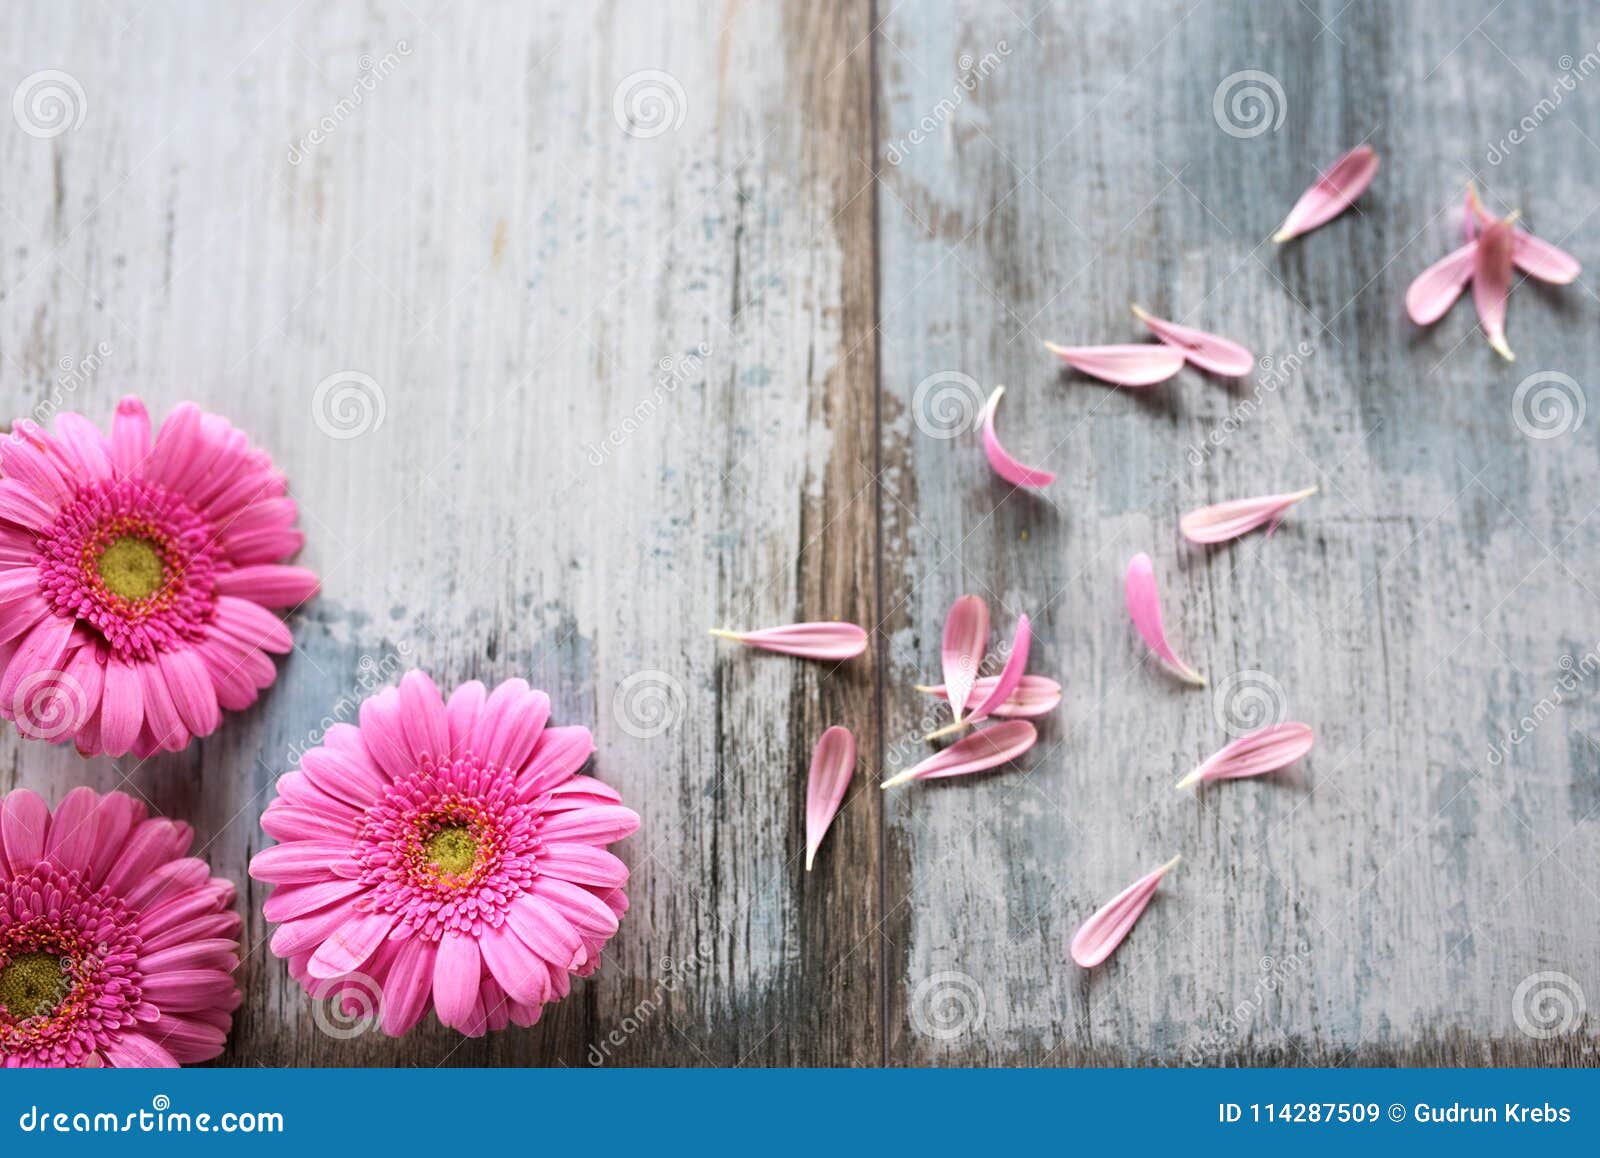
x: 640, y: 384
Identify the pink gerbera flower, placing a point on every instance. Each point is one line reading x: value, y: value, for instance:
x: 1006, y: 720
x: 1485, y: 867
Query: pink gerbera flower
x: 445, y: 855
x: 115, y: 948
x: 135, y: 577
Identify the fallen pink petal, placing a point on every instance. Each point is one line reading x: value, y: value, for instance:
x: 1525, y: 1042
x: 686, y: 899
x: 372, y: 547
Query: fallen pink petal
x: 1333, y: 193
x: 1491, y: 282
x: 1533, y: 256
x: 1225, y: 521
x: 966, y: 638
x: 1216, y: 355
x: 1007, y: 467
x: 1098, y: 937
x: 1144, y: 606
x: 985, y: 749
x: 828, y: 641
x: 1004, y: 684
x: 1436, y: 289
x: 1136, y: 365
x: 833, y: 763
x: 1267, y: 750
x: 1034, y: 695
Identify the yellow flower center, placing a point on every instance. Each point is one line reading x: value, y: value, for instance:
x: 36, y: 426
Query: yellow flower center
x: 131, y: 567
x: 32, y: 984
x: 452, y: 850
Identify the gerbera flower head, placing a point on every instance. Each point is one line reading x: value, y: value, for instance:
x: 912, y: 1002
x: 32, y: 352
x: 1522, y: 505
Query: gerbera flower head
x: 445, y: 856
x: 115, y: 948
x: 136, y: 573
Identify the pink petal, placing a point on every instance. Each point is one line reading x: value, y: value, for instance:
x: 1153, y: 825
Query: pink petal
x: 1004, y: 684
x: 1008, y: 468
x: 457, y: 970
x: 1437, y: 287
x: 1124, y: 365
x: 1333, y: 193
x: 833, y: 763
x: 828, y: 641
x: 1208, y: 351
x: 1491, y: 282
x: 986, y: 748
x: 966, y: 637
x: 1034, y: 696
x: 1273, y: 747
x: 1224, y: 521
x: 1097, y: 937
x: 1536, y: 258
x: 1144, y: 605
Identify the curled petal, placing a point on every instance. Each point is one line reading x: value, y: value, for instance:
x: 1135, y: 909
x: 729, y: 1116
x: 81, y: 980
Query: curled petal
x: 828, y: 640
x: 1224, y: 521
x: 986, y: 748
x: 1333, y: 193
x: 833, y: 762
x: 966, y: 637
x: 1208, y: 351
x: 1144, y: 606
x: 1097, y: 937
x: 1437, y: 287
x: 1034, y: 695
x: 1491, y: 282
x: 1267, y: 750
x: 1008, y: 468
x: 1534, y: 257
x: 1138, y: 365
x: 1004, y: 684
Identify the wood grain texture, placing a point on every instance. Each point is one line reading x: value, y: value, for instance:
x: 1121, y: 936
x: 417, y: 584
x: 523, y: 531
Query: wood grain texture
x: 650, y: 293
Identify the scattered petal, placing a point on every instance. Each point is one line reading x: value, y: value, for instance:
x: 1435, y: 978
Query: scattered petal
x: 1010, y: 676
x: 1224, y: 521
x: 833, y: 763
x: 1534, y: 257
x: 1008, y: 468
x: 830, y: 640
x: 986, y: 748
x: 1437, y: 287
x: 1491, y: 282
x: 1033, y: 696
x: 966, y: 636
x: 1144, y: 605
x: 1097, y: 937
x: 1139, y: 365
x: 1333, y: 193
x: 1208, y: 351
x: 1267, y: 750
